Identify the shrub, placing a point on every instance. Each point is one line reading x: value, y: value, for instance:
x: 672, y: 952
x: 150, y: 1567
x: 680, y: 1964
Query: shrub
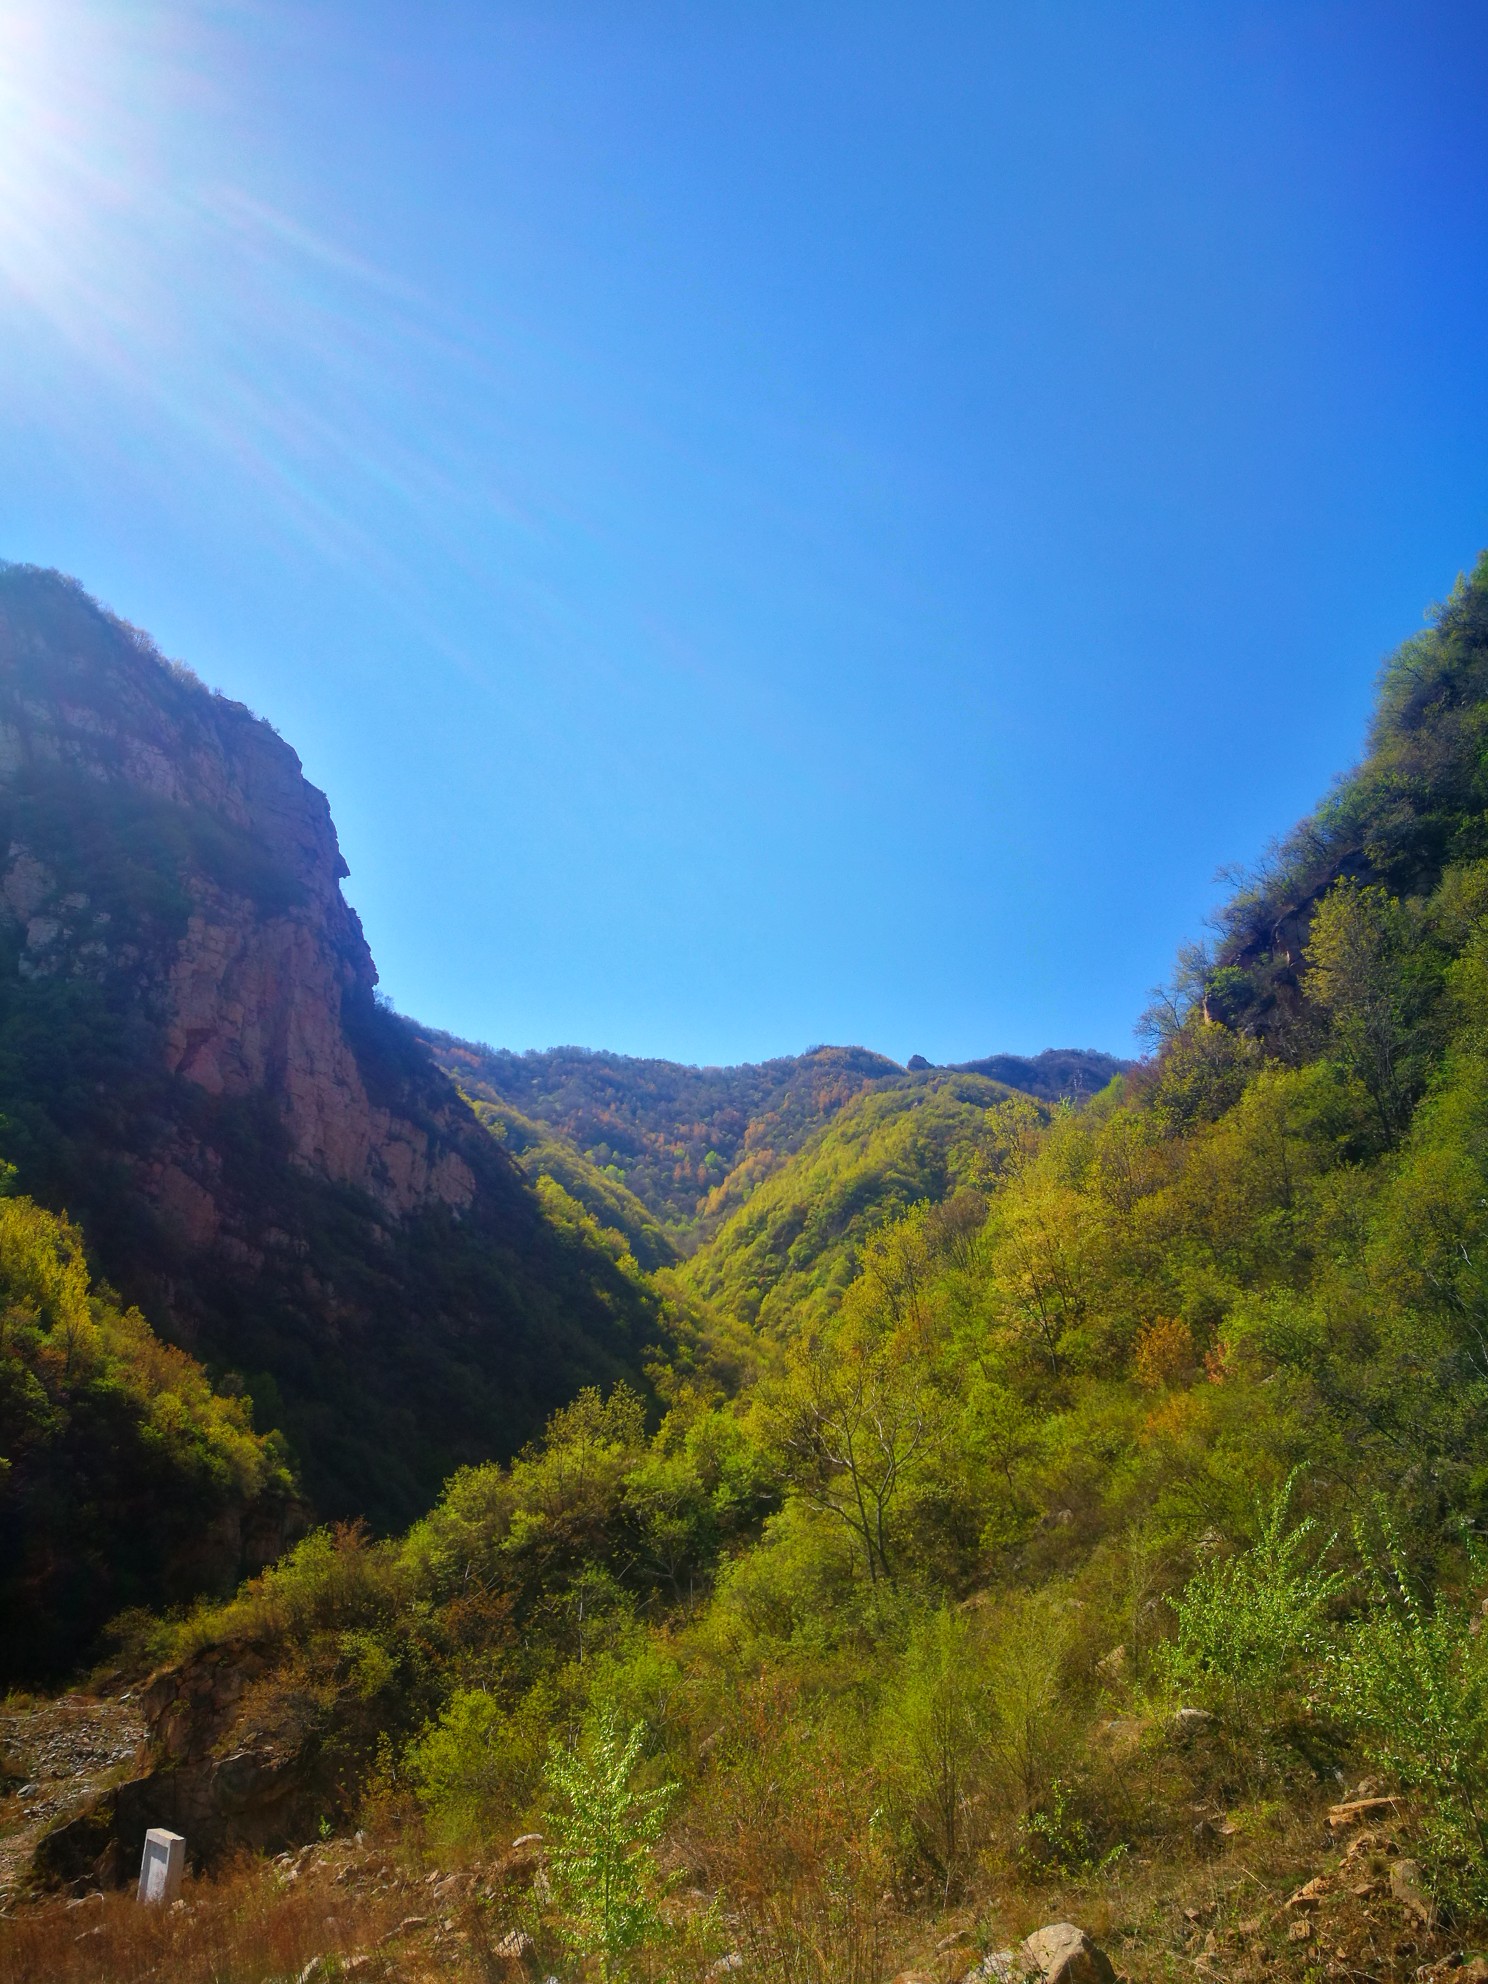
x: 480, y: 1765
x: 603, y: 1868
x: 1414, y: 1682
x: 1249, y: 1624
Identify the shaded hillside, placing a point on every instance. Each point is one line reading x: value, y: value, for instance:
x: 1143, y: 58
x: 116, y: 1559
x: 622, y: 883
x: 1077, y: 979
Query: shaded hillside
x: 125, y: 1480
x: 543, y: 1153
x: 193, y: 1062
x: 692, y: 1143
x: 785, y: 1257
x: 1059, y: 1074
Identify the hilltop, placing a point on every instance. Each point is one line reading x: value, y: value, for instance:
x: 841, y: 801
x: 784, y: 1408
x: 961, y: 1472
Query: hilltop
x: 692, y: 1143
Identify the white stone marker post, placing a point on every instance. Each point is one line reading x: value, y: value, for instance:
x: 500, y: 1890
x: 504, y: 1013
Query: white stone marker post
x: 163, y: 1865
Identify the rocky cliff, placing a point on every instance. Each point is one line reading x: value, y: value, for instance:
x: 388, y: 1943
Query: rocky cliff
x: 193, y: 1060
x: 249, y: 983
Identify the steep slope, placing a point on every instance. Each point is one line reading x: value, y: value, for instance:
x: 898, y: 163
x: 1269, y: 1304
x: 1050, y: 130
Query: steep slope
x: 125, y: 1480
x: 1413, y: 808
x: 543, y: 1153
x: 794, y: 1245
x: 693, y: 1143
x: 193, y: 1062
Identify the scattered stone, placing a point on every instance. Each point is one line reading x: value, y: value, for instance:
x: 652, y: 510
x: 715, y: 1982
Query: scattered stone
x: 1301, y: 1930
x: 1408, y: 1886
x: 725, y: 1964
x: 1254, y: 1925
x: 1355, y: 1810
x: 1310, y: 1895
x: 1060, y: 1953
x: 405, y: 1928
x: 996, y: 1967
x: 1191, y: 1721
x: 1370, y: 1841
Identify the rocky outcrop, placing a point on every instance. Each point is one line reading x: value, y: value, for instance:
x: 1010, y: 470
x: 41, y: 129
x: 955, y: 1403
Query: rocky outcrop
x: 218, y: 1772
x: 248, y: 979
x: 194, y: 1063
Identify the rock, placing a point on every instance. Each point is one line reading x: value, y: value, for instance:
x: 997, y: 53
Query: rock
x: 1191, y: 1721
x: 1309, y: 1896
x: 1300, y: 1931
x: 1408, y: 1886
x: 1060, y: 1953
x: 997, y: 1967
x: 405, y: 1928
x: 1355, y: 1811
x: 1370, y: 1841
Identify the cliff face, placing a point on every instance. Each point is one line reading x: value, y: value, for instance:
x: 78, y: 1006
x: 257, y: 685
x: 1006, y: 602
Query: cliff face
x: 193, y: 1061
x: 249, y: 999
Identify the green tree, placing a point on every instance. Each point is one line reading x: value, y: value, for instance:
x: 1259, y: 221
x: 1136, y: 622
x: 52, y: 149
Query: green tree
x: 1355, y: 954
x: 603, y: 1867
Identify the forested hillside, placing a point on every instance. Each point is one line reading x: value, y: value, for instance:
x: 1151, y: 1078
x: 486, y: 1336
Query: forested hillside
x: 1102, y: 1534
x: 693, y: 1143
x: 784, y: 1259
x: 125, y: 1479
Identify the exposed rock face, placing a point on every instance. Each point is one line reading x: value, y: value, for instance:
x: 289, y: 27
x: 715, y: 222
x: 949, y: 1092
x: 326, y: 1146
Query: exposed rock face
x: 251, y: 997
x: 194, y: 1064
x: 225, y: 1779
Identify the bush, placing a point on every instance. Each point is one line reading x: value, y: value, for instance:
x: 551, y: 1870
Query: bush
x: 1248, y: 1625
x: 480, y: 1765
x: 1414, y: 1682
x: 603, y: 1869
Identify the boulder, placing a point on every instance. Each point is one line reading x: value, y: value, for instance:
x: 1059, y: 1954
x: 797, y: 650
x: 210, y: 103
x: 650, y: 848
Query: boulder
x: 1063, y: 1954
x: 1408, y: 1886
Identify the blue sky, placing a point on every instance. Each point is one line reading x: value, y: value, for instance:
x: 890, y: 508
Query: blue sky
x: 771, y: 522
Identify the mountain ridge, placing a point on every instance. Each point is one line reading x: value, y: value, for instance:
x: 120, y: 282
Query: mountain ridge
x: 691, y: 1142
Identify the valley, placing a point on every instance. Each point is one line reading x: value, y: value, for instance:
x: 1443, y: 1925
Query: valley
x: 869, y: 1513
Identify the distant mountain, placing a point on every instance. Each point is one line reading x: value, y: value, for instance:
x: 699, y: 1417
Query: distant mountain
x: 693, y: 1143
x: 792, y: 1246
x: 1059, y: 1074
x: 194, y: 1065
